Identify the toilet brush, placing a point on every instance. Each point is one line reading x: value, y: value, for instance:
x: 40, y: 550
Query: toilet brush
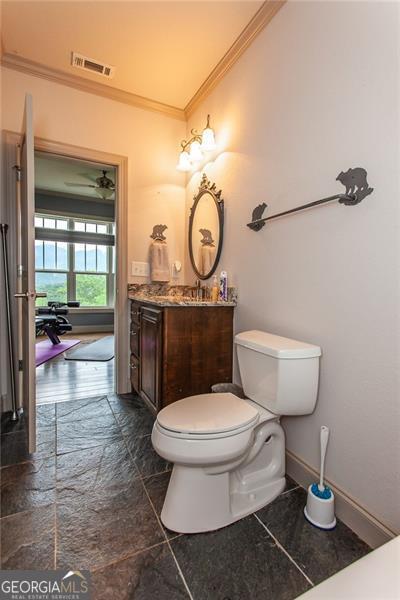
x: 320, y: 508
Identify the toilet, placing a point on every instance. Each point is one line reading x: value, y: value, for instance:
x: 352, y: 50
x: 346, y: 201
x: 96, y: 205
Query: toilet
x: 229, y: 453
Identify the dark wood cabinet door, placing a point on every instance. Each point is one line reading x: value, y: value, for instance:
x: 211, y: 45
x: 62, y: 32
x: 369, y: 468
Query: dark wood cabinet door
x: 151, y: 355
x: 135, y: 312
x: 135, y: 339
x: 135, y: 373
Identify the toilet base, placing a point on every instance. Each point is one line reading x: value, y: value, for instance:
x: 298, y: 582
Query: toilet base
x: 245, y: 503
x: 207, y: 498
x: 198, y: 502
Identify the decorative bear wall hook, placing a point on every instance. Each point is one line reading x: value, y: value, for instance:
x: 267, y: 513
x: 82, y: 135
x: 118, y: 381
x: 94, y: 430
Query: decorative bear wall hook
x: 207, y: 239
x: 256, y: 217
x: 357, y: 188
x: 355, y: 182
x: 158, y: 232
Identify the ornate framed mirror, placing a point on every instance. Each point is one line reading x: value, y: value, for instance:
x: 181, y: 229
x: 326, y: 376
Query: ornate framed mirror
x: 206, y: 227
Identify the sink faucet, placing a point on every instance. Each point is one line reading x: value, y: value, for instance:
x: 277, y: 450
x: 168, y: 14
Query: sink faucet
x: 198, y: 290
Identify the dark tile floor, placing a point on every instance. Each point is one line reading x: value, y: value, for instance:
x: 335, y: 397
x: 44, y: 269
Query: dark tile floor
x: 91, y: 499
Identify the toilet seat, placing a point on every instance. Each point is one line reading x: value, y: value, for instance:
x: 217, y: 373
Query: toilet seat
x: 207, y: 416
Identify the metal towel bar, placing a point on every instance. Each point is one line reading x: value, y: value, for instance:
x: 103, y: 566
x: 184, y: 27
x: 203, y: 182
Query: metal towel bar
x: 355, y: 182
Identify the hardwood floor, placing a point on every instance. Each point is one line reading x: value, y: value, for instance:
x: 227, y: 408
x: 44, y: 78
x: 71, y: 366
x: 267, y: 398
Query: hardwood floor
x: 59, y: 380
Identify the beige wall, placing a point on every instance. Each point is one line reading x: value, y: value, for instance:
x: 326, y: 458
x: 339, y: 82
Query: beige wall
x: 149, y: 140
x: 315, y: 94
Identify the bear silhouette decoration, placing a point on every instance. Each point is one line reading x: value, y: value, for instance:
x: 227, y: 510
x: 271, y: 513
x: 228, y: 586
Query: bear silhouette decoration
x: 353, y: 180
x: 158, y: 232
x: 207, y: 237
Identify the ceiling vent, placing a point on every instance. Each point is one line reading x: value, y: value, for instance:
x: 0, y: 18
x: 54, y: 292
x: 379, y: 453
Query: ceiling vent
x: 90, y: 64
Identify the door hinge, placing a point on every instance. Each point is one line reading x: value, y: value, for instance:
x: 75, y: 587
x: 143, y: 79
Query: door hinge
x: 20, y: 365
x: 17, y: 172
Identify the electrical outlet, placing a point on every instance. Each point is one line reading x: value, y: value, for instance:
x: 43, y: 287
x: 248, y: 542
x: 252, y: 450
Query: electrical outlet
x: 176, y: 268
x: 140, y: 269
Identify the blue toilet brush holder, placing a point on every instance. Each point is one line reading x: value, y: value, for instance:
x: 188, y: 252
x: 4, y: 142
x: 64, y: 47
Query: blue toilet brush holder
x: 320, y: 507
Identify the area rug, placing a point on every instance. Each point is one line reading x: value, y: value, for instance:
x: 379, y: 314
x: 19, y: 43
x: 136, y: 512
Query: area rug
x: 101, y: 350
x: 46, y: 350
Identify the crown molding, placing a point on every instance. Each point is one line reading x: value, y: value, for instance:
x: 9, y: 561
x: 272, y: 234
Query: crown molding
x: 18, y: 63
x: 260, y: 20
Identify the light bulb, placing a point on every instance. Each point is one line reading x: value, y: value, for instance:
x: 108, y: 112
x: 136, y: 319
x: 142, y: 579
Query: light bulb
x: 184, y: 163
x: 207, y: 139
x: 195, y: 151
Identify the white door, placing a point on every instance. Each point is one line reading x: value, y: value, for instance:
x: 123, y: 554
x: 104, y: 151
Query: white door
x: 28, y: 294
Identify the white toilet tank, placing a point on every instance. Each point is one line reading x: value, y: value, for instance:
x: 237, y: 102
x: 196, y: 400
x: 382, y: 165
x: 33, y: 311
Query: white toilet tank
x: 278, y: 373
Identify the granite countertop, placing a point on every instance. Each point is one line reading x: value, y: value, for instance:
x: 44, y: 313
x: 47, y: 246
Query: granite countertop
x: 174, y: 300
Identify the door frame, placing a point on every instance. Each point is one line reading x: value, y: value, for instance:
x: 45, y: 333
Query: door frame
x: 121, y: 305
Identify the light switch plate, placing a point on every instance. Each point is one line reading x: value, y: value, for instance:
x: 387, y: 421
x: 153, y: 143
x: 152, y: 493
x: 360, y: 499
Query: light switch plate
x: 140, y: 269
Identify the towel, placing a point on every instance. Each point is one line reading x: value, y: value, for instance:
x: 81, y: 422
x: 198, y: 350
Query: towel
x: 159, y: 262
x: 207, y: 255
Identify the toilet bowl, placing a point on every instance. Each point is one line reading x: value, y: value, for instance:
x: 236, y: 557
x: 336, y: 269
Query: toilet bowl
x: 229, y: 453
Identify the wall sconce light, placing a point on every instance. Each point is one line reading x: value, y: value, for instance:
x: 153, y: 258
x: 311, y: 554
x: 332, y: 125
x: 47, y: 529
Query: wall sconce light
x: 194, y: 149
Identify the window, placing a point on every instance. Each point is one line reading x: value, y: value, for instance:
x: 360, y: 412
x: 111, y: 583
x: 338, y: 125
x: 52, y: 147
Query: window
x: 51, y: 255
x: 90, y: 258
x: 75, y: 271
x: 91, y: 267
x: 91, y: 290
x: 51, y: 223
x: 55, y: 284
x: 91, y: 227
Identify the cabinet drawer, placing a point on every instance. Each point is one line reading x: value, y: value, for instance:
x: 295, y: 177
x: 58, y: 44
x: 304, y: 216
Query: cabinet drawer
x: 135, y: 339
x: 135, y: 374
x: 135, y: 312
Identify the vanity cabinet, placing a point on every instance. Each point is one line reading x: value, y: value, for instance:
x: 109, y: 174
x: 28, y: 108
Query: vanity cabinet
x: 179, y: 351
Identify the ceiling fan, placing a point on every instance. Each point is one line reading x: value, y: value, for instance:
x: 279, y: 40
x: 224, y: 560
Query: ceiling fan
x: 105, y: 187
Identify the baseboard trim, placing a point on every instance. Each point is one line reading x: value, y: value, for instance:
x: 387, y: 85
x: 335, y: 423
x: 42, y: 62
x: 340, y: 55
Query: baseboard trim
x: 92, y: 329
x: 4, y: 404
x: 355, y: 516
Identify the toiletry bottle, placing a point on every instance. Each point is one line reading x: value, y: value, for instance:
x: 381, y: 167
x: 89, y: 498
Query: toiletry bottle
x: 223, y: 286
x: 214, y: 290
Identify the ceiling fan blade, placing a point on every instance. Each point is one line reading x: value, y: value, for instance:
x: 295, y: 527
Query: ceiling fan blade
x: 79, y: 184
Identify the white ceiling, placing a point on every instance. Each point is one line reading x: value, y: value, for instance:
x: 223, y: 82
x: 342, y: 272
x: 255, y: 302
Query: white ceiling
x: 161, y: 50
x: 51, y: 173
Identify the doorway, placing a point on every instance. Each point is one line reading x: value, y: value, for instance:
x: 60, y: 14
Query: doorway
x: 75, y: 225
x: 121, y: 313
x: 18, y: 155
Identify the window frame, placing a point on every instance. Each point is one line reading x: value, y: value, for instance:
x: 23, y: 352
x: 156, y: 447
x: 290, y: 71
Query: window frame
x: 71, y: 273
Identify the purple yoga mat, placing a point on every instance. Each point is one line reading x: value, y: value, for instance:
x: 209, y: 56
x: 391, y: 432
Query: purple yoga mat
x: 46, y: 350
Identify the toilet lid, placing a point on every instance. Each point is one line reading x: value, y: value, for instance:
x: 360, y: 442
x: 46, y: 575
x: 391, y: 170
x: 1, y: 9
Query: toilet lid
x: 207, y: 413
